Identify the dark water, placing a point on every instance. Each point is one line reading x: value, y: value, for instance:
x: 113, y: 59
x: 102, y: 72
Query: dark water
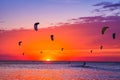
x: 62, y: 70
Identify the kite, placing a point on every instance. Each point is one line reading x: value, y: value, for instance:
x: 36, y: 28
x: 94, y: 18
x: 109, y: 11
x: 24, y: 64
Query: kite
x: 114, y: 35
x: 104, y: 29
x: 52, y: 37
x: 19, y: 43
x: 36, y: 26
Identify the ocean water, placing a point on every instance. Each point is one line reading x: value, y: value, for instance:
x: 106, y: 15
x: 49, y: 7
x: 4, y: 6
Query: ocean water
x: 35, y: 70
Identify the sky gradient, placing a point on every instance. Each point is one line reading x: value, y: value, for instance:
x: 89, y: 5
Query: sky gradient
x: 75, y: 24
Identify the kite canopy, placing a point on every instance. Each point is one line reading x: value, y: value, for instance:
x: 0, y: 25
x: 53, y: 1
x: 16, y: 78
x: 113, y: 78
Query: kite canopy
x: 19, y: 43
x: 101, y: 47
x: 36, y: 26
x: 23, y: 53
x: 52, y: 37
x: 91, y: 51
x: 114, y: 35
x: 41, y: 52
x: 104, y: 29
x: 62, y: 49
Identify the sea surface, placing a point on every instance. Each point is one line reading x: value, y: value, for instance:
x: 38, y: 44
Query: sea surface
x: 69, y: 70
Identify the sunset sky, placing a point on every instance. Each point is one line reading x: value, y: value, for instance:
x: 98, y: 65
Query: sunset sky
x: 75, y: 24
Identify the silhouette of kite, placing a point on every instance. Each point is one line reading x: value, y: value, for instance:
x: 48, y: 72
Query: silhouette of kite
x: 19, y: 43
x: 52, y: 37
x: 101, y: 47
x: 41, y: 52
x: 62, y: 49
x: 36, y: 26
x: 91, y: 51
x: 114, y: 35
x: 23, y: 53
x: 104, y: 29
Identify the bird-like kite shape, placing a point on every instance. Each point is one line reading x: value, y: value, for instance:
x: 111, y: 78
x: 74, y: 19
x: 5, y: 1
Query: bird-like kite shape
x: 36, y: 26
x: 23, y: 53
x: 91, y: 51
x: 19, y: 43
x: 114, y: 35
x: 104, y: 29
x: 62, y: 49
x: 52, y: 37
x: 101, y: 47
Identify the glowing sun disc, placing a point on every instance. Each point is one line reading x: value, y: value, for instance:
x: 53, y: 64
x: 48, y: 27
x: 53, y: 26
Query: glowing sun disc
x: 47, y: 59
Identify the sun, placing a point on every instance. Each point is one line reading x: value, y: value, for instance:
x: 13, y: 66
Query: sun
x: 48, y: 59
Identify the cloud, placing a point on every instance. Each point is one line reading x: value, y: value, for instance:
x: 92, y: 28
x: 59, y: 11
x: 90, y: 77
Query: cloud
x: 102, y: 3
x: 96, y: 19
x: 114, y: 8
x: 109, y: 5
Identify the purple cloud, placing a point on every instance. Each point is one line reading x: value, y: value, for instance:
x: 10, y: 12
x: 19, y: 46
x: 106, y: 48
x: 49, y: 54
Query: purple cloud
x: 103, y: 3
x: 108, y: 6
x: 97, y: 19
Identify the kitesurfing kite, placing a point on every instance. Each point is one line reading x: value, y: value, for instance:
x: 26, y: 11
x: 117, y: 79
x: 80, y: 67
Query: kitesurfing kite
x: 23, y: 53
x: 91, y: 51
x: 41, y: 52
x: 52, y: 37
x: 19, y: 43
x: 62, y: 49
x: 36, y: 26
x: 104, y: 29
x: 114, y: 35
x: 101, y: 47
